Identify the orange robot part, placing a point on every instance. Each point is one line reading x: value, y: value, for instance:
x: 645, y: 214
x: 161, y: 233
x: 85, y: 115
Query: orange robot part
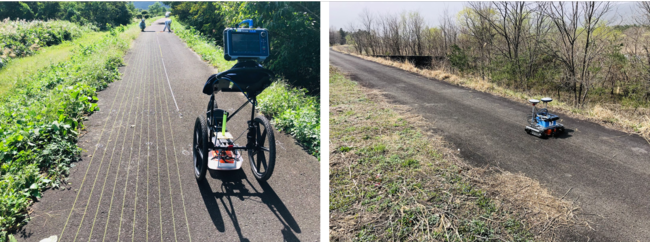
x: 229, y: 156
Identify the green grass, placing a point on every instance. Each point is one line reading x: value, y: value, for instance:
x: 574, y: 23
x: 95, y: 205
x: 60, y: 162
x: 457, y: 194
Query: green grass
x: 292, y: 110
x: 21, y: 68
x: 22, y: 38
x: 40, y: 117
x: 203, y: 46
x: 391, y: 182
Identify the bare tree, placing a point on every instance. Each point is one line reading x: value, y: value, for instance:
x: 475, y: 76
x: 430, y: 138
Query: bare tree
x: 449, y: 30
x: 509, y: 23
x: 368, y: 21
x: 644, y: 20
x: 394, y: 32
x: 335, y: 36
x: 576, y: 48
x: 479, y: 30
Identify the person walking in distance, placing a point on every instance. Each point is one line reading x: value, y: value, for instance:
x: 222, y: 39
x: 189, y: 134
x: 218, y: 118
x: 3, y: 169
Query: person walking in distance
x: 168, y: 23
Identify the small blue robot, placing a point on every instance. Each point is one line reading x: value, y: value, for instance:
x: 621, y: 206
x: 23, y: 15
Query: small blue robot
x: 541, y: 123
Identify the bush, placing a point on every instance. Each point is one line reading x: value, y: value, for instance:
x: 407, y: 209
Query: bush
x: 458, y: 58
x: 24, y: 38
x: 39, y: 120
x: 294, y: 112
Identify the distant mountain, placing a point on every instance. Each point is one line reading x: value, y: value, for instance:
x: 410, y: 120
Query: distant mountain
x: 145, y: 5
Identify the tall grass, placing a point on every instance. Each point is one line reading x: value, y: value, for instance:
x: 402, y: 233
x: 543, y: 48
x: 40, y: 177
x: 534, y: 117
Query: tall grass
x: 22, y: 38
x: 292, y: 110
x: 21, y: 68
x: 40, y: 118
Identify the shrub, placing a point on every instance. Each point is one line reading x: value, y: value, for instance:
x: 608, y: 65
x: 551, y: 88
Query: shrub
x: 294, y: 112
x: 458, y: 58
x: 24, y: 38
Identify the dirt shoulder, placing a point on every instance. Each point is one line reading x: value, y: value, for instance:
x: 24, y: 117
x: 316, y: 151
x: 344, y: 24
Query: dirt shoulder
x: 392, y: 177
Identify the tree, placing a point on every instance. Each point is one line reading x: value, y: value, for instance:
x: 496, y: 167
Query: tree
x: 335, y: 37
x: 343, y: 34
x: 577, y: 46
x: 156, y: 9
x: 145, y: 14
x: 644, y: 20
x: 15, y: 10
x: 97, y: 13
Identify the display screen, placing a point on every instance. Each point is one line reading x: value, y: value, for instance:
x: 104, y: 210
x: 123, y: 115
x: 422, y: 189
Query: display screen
x: 245, y: 43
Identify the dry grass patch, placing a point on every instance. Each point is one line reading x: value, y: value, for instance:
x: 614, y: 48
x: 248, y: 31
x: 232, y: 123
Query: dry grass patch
x: 614, y: 116
x: 390, y: 180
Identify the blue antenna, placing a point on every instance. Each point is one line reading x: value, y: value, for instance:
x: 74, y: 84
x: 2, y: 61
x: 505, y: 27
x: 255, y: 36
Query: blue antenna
x: 248, y: 21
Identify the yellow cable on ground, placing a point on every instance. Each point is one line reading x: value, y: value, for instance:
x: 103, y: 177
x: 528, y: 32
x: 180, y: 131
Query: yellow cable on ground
x: 89, y: 165
x: 110, y: 206
x: 167, y: 161
x: 109, y: 168
x: 180, y: 185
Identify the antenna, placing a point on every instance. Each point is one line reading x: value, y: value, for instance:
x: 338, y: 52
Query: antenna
x: 247, y: 21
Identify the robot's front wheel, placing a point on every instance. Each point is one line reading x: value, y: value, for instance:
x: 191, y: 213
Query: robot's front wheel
x: 262, y: 156
x: 200, y: 148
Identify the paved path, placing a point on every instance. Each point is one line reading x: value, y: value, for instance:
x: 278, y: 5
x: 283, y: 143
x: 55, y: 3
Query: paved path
x: 608, y: 171
x: 135, y: 181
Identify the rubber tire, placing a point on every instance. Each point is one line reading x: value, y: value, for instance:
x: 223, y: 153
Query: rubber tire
x: 200, y: 146
x: 270, y: 142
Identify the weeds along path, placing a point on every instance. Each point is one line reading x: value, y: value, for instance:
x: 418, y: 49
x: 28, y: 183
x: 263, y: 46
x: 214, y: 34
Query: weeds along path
x: 135, y: 180
x: 605, y: 171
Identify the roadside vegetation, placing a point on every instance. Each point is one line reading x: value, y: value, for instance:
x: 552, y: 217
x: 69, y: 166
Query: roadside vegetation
x: 24, y: 38
x: 41, y: 116
x: 391, y: 180
x: 593, y: 66
x: 100, y: 14
x: 293, y: 109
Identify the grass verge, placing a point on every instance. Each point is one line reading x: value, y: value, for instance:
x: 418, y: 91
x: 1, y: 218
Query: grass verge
x: 292, y: 110
x: 40, y: 118
x: 391, y: 181
x: 22, y: 68
x: 22, y: 38
x: 630, y: 120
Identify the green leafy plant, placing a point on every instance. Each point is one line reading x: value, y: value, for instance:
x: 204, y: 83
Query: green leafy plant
x: 24, y: 38
x: 39, y: 122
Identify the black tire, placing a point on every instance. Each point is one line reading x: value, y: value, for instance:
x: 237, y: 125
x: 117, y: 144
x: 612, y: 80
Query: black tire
x: 262, y: 157
x: 200, y: 148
